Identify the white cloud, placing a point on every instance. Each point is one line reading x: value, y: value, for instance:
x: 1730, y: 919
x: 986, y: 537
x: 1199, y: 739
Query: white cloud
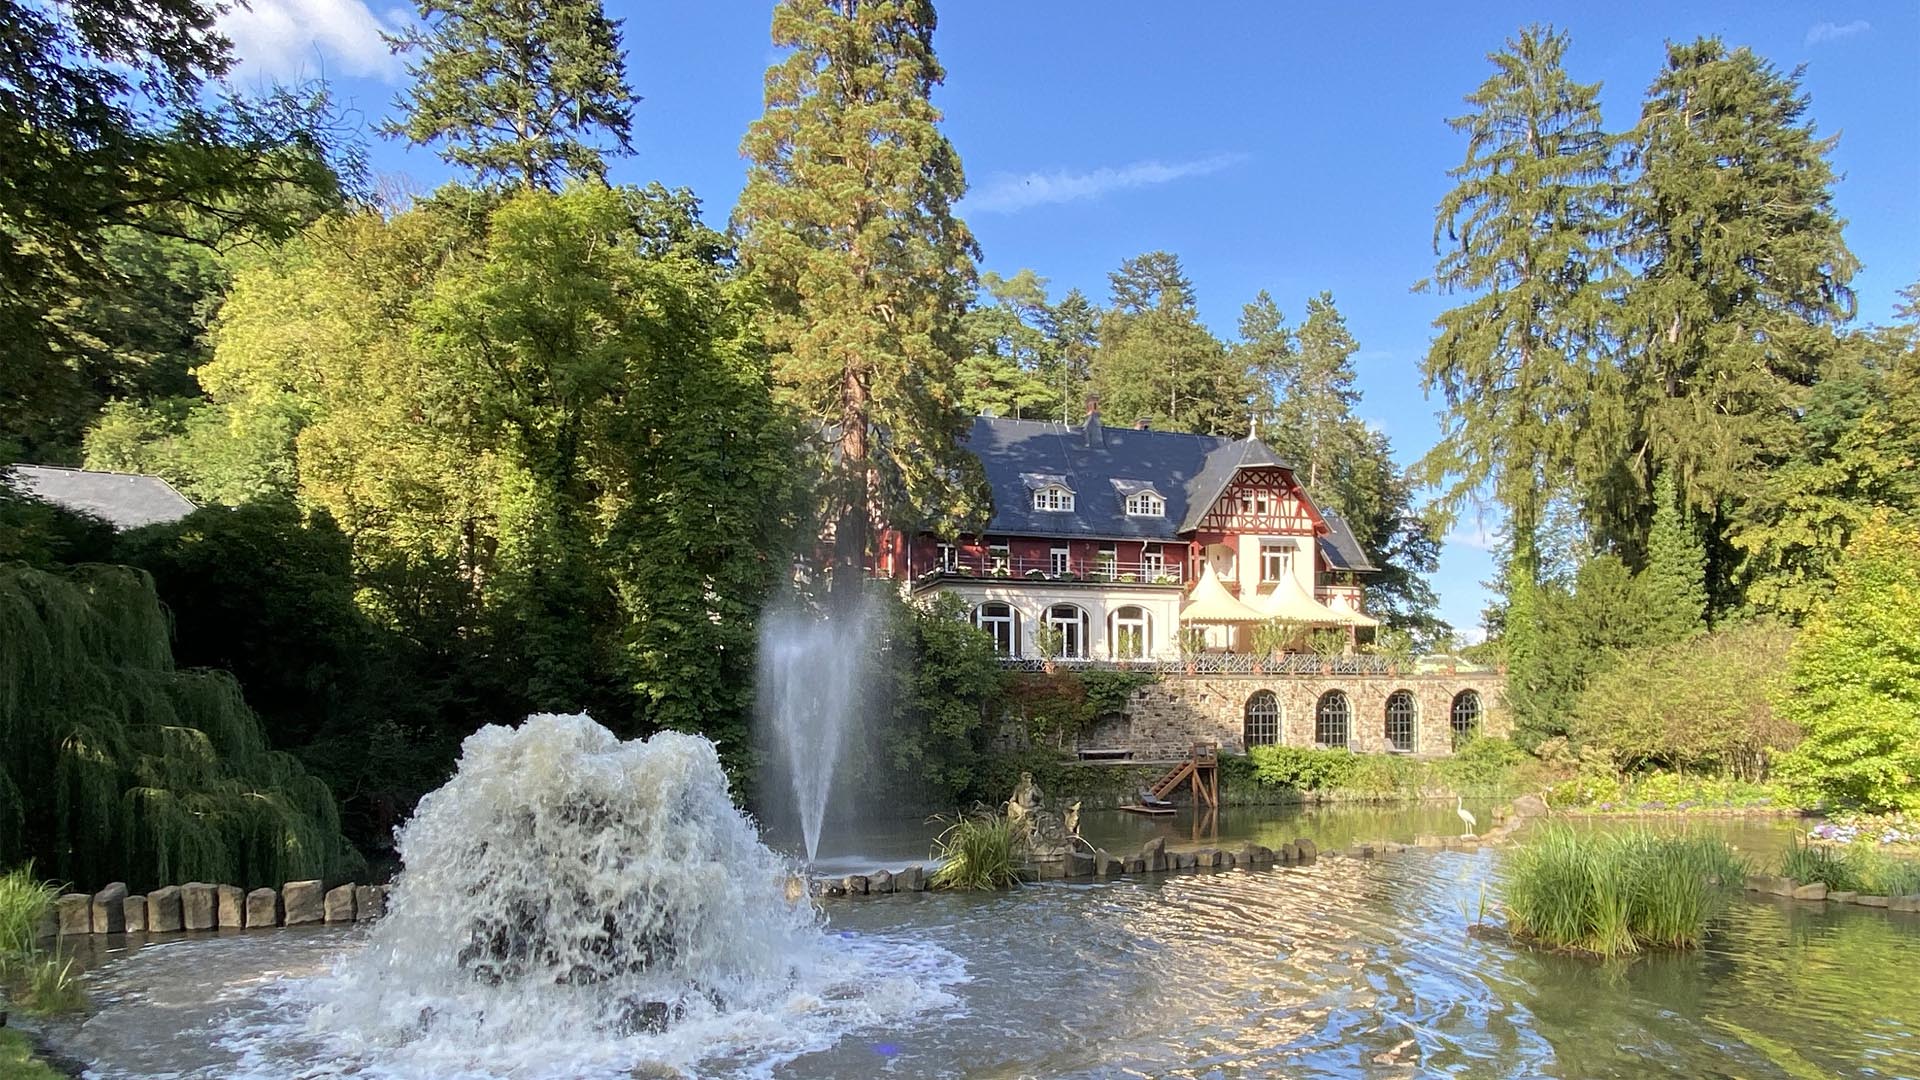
x: 1832, y: 31
x: 292, y: 39
x: 1473, y: 535
x: 1006, y: 193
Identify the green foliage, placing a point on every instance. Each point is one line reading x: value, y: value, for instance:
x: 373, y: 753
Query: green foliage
x: 17, y: 1061
x: 1052, y: 707
x: 518, y: 93
x: 1705, y: 704
x: 847, y: 227
x: 1014, y: 366
x: 24, y: 899
x: 1807, y: 863
x: 946, y: 688
x: 1109, y: 692
x: 1304, y: 768
x: 1614, y: 893
x: 113, y: 765
x: 1674, y: 580
x: 1853, y: 680
x: 45, y: 984
x: 978, y: 851
x: 1483, y: 761
x: 1157, y: 362
x: 1606, y: 791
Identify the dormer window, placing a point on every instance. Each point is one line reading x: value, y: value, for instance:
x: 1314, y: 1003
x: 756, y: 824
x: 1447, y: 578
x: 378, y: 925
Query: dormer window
x: 1053, y: 499
x: 1146, y: 504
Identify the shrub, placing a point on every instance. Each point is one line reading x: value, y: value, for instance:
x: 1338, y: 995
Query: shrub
x: 1304, y: 768
x: 1612, y: 893
x: 1853, y: 680
x: 1860, y: 867
x: 1482, y: 761
x: 977, y: 851
x: 23, y: 900
x: 1809, y: 863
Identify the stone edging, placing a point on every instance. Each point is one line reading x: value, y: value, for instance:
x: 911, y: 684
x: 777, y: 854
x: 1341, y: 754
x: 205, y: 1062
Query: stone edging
x: 199, y: 906
x: 1097, y: 864
x: 1507, y: 820
x: 1774, y: 885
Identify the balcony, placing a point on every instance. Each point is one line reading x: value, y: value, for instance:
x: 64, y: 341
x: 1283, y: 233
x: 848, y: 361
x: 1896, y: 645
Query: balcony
x: 1231, y: 663
x: 1065, y: 571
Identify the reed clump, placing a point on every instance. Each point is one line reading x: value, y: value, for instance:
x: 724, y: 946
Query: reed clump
x: 1615, y: 893
x: 1860, y: 867
x: 977, y: 851
x: 36, y: 981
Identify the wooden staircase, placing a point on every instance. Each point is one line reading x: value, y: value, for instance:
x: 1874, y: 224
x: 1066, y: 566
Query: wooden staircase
x: 1201, y: 769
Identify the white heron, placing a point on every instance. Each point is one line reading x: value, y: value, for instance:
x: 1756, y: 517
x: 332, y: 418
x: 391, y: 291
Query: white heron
x: 1466, y: 815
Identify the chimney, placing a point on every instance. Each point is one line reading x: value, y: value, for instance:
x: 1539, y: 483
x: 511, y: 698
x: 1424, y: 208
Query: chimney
x: 1145, y: 423
x: 1096, y: 436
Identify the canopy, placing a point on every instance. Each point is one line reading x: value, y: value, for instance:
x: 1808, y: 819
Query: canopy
x: 1290, y: 603
x: 1212, y: 603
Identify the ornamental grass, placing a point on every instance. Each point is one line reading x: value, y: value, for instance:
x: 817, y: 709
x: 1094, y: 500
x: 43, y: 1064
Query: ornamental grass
x: 1614, y: 893
x: 1860, y: 867
x: 977, y: 851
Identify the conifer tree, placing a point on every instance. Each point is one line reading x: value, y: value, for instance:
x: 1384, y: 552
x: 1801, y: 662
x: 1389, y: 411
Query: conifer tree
x: 1157, y: 362
x: 847, y: 223
x: 1674, y: 580
x: 1265, y: 351
x: 1319, y: 395
x: 1073, y: 327
x: 1525, y: 234
x: 1743, y: 274
x: 528, y: 91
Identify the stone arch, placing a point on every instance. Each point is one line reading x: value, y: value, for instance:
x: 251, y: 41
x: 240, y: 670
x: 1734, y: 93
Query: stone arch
x: 1333, y: 719
x: 1402, y: 721
x: 1261, y: 723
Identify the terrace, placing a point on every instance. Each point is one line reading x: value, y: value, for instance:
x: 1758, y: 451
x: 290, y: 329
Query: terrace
x: 1059, y: 569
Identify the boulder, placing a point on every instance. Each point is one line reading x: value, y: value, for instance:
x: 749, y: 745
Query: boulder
x: 1358, y: 851
x: 1842, y: 896
x: 337, y: 905
x: 300, y: 901
x: 1813, y: 890
x: 1528, y: 806
x: 370, y: 902
x: 880, y: 881
x: 1782, y: 886
x: 229, y: 907
x: 1108, y: 865
x: 1429, y: 841
x: 110, y: 909
x: 1903, y: 903
x: 163, y: 910
x: 134, y: 910
x: 1283, y: 854
x: 1136, y: 865
x: 1080, y: 864
x: 1227, y: 860
x: 831, y: 888
x: 1393, y: 847
x: 1154, y: 855
x: 47, y: 925
x: 196, y: 906
x: 912, y: 879
x: 76, y: 914
x: 263, y: 908
x: 1207, y: 858
x: 856, y: 884
x: 1871, y: 901
x: 1307, y: 850
x: 1185, y: 860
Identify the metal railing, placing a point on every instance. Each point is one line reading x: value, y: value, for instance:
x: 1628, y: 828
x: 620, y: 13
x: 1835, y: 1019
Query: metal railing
x: 1067, y: 569
x: 1224, y: 663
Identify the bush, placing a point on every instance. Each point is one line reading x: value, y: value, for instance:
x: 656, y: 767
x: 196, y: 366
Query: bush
x: 1808, y: 863
x: 978, y: 851
x: 1304, y: 768
x: 1483, y: 761
x: 1860, y: 867
x: 1698, y: 705
x: 1613, y: 893
x: 1853, y: 681
x: 23, y: 900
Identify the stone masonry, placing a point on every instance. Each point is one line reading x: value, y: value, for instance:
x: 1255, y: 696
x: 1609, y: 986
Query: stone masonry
x: 1165, y: 718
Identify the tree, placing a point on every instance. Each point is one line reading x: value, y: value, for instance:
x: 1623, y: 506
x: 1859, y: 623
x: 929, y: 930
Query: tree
x: 1157, y: 362
x: 847, y: 225
x: 1527, y: 231
x: 1010, y: 352
x: 526, y: 93
x: 1314, y: 410
x: 1073, y: 332
x: 1853, y: 680
x: 1266, y: 351
x: 1675, y: 577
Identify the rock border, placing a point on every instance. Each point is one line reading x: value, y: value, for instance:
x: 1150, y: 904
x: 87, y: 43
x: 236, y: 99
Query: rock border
x: 1817, y: 891
x: 197, y: 906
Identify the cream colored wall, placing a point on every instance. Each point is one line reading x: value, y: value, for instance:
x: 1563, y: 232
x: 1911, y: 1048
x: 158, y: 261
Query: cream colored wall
x: 1031, y: 600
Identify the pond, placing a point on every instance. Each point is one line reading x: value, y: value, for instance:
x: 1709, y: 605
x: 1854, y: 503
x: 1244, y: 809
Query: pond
x: 1340, y: 968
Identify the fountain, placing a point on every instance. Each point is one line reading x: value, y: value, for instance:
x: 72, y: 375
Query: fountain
x: 571, y: 903
x: 810, y: 678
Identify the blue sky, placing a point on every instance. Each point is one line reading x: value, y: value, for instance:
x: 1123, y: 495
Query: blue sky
x: 1291, y: 148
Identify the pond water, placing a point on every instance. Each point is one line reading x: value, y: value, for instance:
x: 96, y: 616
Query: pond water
x: 1340, y: 968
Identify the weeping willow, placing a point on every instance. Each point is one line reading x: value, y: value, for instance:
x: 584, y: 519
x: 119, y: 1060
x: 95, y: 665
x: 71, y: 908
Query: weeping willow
x: 116, y: 767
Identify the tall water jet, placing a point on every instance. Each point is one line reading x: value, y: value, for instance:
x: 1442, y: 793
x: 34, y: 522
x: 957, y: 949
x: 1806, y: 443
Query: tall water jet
x: 811, y: 671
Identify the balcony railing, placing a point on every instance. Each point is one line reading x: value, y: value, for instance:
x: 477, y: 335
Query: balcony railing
x: 1227, y: 663
x: 1066, y: 569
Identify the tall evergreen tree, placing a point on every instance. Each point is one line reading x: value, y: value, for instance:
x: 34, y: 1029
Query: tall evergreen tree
x: 1073, y: 328
x: 1157, y: 362
x: 1318, y: 395
x: 529, y: 92
x: 1525, y: 231
x: 847, y: 222
x: 1675, y: 578
x: 1266, y: 352
x: 1009, y: 350
x: 1743, y: 274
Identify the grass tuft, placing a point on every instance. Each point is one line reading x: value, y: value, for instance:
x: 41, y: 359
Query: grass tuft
x: 1614, y: 893
x: 1860, y: 867
x: 977, y: 851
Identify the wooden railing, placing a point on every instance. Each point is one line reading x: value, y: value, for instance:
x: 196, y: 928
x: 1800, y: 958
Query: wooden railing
x: 1223, y: 663
x: 1071, y: 569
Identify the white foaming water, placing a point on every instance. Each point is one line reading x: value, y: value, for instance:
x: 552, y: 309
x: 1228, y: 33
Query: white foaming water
x: 809, y: 693
x: 574, y: 905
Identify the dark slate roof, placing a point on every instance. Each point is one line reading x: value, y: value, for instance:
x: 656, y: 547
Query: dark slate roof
x: 1188, y: 471
x: 123, y: 500
x: 1342, y: 551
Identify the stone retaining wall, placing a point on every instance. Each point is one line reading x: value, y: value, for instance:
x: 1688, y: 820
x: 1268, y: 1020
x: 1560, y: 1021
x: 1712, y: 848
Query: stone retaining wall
x: 1164, y: 719
x: 1774, y: 885
x: 200, y: 906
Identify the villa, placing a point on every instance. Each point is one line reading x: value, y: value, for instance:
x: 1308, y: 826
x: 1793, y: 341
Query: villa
x: 1169, y: 552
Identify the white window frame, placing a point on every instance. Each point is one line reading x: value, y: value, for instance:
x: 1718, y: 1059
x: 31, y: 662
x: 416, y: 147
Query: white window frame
x: 1138, y: 627
x: 1284, y: 555
x: 1053, y: 499
x: 1146, y: 504
x: 1000, y: 557
x: 949, y: 557
x: 1074, y: 630
x: 1060, y: 559
x: 995, y: 625
x: 1152, y: 561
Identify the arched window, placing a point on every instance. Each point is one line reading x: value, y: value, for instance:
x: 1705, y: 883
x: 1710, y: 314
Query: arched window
x: 1263, y: 720
x: 1400, y: 713
x: 1146, y: 504
x: 1053, y: 499
x: 1070, y: 623
x: 1466, y: 715
x: 1330, y: 719
x: 1002, y: 623
x: 1131, y: 633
